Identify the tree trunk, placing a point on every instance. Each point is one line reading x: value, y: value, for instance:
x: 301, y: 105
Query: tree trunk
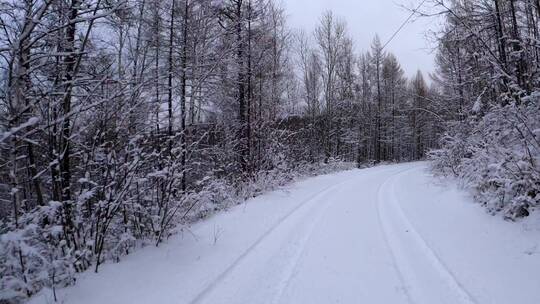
x: 183, y: 93
x: 378, y: 115
x: 170, y: 79
x: 250, y: 93
x: 241, y: 88
x: 65, y: 140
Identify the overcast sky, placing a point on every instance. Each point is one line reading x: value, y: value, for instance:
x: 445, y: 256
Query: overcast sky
x: 365, y: 18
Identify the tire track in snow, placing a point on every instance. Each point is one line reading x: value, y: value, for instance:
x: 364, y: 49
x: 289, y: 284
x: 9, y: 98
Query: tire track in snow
x: 290, y: 271
x: 223, y: 275
x: 395, y: 222
x: 387, y: 241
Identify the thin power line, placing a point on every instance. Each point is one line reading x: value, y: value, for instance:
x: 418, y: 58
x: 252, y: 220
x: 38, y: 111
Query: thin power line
x: 404, y: 23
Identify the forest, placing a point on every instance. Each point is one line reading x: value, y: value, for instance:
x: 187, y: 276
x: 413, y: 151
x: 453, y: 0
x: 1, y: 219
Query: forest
x: 121, y: 121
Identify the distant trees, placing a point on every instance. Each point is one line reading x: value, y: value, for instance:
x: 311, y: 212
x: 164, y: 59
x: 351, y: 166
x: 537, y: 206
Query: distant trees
x: 362, y: 108
x: 330, y: 36
x: 394, y: 84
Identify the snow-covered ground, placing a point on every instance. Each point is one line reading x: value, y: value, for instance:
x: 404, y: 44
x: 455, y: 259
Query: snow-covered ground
x: 387, y: 234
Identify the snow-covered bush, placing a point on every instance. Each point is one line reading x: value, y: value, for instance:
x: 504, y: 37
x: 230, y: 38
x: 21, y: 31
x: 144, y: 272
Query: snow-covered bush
x: 218, y: 194
x: 497, y: 156
x: 34, y: 254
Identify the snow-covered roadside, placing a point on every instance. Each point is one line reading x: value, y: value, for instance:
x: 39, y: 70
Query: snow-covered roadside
x: 221, y: 194
x: 496, y: 261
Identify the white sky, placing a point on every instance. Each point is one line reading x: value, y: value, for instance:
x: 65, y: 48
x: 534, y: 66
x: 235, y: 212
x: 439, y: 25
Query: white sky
x: 365, y: 18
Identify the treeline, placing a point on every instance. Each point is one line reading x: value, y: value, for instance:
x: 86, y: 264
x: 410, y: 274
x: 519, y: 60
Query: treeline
x: 366, y: 108
x: 120, y: 120
x: 488, y: 74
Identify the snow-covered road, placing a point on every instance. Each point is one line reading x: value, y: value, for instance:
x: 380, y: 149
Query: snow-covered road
x: 387, y: 234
